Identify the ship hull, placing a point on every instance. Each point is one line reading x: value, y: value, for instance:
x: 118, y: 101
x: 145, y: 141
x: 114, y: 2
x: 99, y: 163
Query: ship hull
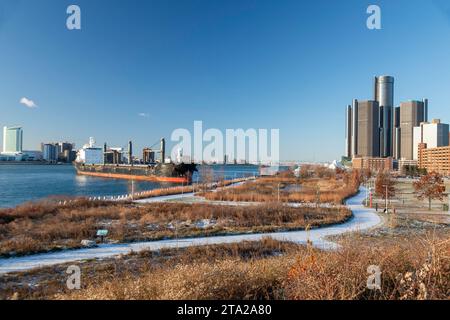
x: 168, y: 173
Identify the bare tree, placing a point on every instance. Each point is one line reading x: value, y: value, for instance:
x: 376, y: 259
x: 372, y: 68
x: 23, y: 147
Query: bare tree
x: 430, y: 186
x: 385, y: 187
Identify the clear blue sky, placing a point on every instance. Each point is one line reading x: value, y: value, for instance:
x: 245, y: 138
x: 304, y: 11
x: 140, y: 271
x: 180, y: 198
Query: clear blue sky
x: 292, y: 65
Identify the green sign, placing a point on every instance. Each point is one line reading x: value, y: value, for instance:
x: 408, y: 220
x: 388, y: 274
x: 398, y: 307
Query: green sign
x: 102, y: 233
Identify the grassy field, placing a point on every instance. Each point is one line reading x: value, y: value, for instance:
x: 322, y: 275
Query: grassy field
x: 331, y: 188
x: 41, y: 227
x: 411, y: 249
x: 406, y: 204
x: 186, y: 189
x: 412, y: 268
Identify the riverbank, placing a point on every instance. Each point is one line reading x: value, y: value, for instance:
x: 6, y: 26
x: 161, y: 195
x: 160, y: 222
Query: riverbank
x: 363, y: 218
x: 24, y: 183
x: 413, y: 267
x: 36, y: 229
x: 31, y: 163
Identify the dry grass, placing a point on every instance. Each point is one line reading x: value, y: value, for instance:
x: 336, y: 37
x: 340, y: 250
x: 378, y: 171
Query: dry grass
x: 289, y: 189
x: 414, y: 268
x: 46, y: 282
x: 185, y: 189
x: 42, y: 227
x: 411, y: 269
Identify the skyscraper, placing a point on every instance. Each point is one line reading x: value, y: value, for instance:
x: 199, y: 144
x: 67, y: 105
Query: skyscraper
x: 348, y: 132
x: 12, y: 140
x: 412, y: 114
x: 384, y: 94
x: 392, y: 126
x: 368, y: 132
x: 396, y: 133
x: 50, y: 152
x: 362, y: 129
x: 354, y: 130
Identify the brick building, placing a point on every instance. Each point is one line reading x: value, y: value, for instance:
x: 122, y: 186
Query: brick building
x: 435, y: 159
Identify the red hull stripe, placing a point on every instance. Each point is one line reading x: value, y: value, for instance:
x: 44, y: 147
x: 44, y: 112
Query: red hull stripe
x: 133, y: 177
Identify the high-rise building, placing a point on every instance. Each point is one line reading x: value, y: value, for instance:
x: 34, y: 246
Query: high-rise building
x: 412, y: 114
x: 50, y: 152
x: 58, y: 151
x: 394, y: 126
x: 368, y: 141
x: 396, y: 133
x: 65, y: 151
x: 348, y: 133
x: 362, y: 129
x: 384, y: 95
x: 434, y: 135
x: 352, y: 129
x: 12, y: 140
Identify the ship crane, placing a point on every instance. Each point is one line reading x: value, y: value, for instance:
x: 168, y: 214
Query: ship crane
x: 162, y: 150
x: 163, y: 172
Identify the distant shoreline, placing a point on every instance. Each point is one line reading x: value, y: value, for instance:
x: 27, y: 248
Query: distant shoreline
x: 67, y: 164
x: 35, y: 163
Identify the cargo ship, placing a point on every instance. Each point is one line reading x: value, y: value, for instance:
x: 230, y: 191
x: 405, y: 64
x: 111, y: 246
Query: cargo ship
x: 108, y: 163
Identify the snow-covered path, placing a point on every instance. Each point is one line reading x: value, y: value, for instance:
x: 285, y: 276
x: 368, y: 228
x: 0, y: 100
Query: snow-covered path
x: 363, y: 218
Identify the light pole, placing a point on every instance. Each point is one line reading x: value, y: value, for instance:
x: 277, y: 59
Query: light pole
x: 386, y: 198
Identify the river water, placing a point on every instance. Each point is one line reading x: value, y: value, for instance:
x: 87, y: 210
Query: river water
x: 22, y: 183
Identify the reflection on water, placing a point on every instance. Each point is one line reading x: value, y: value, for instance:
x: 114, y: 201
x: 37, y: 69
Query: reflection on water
x: 22, y: 183
x: 81, y: 181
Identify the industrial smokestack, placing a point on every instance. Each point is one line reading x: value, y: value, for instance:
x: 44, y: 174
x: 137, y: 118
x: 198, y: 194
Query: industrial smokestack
x: 163, y: 150
x: 104, y: 153
x: 130, y: 152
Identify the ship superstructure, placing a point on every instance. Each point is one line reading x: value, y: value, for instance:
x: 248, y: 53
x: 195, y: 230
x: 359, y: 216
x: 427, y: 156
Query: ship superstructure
x: 96, y: 161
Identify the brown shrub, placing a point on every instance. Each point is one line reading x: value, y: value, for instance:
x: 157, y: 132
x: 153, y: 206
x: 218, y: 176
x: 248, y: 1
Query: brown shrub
x: 65, y: 226
x: 411, y: 269
x: 313, y: 190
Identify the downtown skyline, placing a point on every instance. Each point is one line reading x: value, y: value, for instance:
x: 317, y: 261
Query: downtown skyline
x: 138, y: 71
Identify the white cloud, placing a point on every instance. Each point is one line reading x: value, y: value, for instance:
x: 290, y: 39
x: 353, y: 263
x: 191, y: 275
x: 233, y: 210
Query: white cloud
x: 28, y: 103
x: 143, y: 115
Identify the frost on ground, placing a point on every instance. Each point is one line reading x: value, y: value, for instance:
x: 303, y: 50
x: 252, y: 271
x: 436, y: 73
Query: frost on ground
x: 363, y: 218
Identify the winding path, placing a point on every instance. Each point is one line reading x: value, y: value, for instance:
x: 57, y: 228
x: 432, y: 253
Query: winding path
x: 362, y: 219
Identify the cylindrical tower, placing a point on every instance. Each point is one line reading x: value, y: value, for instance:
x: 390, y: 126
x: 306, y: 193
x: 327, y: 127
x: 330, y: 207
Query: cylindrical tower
x: 384, y: 94
x: 385, y: 91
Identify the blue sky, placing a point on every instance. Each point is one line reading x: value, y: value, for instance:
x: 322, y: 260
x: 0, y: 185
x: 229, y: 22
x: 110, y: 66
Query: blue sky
x: 292, y: 65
